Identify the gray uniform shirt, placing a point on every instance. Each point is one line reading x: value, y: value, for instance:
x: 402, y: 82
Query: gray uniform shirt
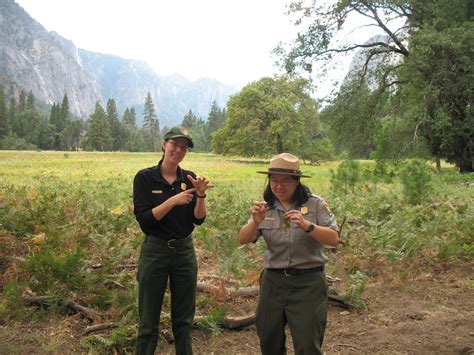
x: 287, y: 245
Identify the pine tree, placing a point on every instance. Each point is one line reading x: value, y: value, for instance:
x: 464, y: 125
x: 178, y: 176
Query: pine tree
x: 129, y: 117
x: 99, y: 136
x: 190, y: 120
x: 64, y: 113
x: 30, y: 101
x: 215, y: 121
x: 114, y: 122
x: 22, y: 101
x: 150, y: 123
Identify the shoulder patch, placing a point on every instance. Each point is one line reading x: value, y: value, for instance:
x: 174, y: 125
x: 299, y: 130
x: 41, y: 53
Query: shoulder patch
x: 327, y: 209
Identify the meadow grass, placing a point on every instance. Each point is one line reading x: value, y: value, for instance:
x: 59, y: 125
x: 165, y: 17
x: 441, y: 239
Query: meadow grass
x: 62, y: 213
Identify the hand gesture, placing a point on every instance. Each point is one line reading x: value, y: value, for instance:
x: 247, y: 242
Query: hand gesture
x: 184, y: 197
x: 258, y: 211
x: 201, y: 184
x: 297, y: 218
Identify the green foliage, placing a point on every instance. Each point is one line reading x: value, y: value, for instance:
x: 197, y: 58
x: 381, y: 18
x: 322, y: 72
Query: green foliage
x: 440, y: 70
x: 12, y: 305
x: 99, y: 136
x: 421, y: 74
x: 121, y: 340
x: 13, y: 142
x: 59, y: 273
x: 416, y: 179
x: 354, y: 293
x: 212, y: 320
x: 346, y: 177
x: 269, y: 116
x: 353, y: 119
x: 320, y: 150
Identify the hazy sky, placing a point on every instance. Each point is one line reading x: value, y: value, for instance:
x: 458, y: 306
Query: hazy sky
x: 230, y: 41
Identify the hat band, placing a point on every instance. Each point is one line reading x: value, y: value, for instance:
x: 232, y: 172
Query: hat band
x: 284, y: 171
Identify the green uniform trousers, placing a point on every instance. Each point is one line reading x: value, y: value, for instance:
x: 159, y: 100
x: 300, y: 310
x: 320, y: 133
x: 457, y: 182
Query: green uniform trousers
x: 157, y: 263
x: 299, y: 301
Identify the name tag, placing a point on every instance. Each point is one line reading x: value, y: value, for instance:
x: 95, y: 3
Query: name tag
x: 269, y: 219
x: 156, y: 191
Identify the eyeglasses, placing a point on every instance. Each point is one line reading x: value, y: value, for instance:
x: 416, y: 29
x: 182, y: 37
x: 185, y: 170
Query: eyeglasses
x: 283, y: 182
x: 177, y: 146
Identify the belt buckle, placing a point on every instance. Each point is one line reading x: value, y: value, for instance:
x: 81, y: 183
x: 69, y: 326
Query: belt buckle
x: 170, y: 246
x: 285, y: 273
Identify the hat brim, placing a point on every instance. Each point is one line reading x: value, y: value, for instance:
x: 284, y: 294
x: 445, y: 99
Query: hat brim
x: 181, y: 136
x: 283, y: 173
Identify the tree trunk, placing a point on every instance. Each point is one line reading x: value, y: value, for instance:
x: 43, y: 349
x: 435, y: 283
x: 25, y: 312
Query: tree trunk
x: 438, y: 163
x: 466, y: 162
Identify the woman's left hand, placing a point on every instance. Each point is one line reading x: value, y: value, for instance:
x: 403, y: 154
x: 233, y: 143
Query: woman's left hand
x: 297, y: 218
x: 200, y: 183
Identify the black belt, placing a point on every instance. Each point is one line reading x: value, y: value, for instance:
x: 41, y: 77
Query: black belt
x: 170, y: 243
x: 294, y: 272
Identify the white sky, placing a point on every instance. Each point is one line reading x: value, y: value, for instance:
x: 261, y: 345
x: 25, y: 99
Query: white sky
x: 230, y: 41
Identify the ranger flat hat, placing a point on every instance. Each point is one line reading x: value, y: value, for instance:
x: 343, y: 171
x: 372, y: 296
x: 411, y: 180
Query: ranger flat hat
x: 286, y: 164
x: 179, y: 132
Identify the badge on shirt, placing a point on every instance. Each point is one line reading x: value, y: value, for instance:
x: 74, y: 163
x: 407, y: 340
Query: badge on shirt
x: 156, y: 191
x: 183, y: 186
x: 269, y: 218
x: 304, y: 210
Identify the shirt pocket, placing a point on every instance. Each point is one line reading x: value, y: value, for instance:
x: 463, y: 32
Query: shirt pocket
x: 270, y: 229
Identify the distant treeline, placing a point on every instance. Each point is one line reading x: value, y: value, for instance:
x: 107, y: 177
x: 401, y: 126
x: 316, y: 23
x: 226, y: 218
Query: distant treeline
x: 26, y: 126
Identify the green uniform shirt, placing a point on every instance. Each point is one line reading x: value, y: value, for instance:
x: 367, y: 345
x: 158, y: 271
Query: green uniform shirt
x: 287, y: 245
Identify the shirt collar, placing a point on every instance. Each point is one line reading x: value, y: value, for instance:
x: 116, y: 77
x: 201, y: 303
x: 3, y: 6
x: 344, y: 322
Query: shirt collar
x: 156, y: 173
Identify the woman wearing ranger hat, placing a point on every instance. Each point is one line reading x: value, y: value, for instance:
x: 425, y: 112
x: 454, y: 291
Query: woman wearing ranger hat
x: 295, y: 225
x: 168, y: 202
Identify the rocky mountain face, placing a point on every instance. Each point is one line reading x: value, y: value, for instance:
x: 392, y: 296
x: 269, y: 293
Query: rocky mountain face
x: 48, y: 65
x: 129, y: 81
x: 359, y: 60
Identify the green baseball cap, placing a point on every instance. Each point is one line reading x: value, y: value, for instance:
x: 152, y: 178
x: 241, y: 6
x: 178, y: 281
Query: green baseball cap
x: 179, y: 132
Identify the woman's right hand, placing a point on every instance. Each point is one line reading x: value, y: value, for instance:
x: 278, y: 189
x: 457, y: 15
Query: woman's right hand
x: 258, y: 211
x: 184, y: 197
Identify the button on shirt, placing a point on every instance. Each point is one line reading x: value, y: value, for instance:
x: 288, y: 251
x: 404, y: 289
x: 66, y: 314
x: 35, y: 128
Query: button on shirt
x: 289, y: 246
x: 150, y: 189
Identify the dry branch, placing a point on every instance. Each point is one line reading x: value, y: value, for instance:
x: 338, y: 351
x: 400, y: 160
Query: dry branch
x: 227, y: 291
x: 98, y: 327
x: 232, y: 323
x: 48, y: 301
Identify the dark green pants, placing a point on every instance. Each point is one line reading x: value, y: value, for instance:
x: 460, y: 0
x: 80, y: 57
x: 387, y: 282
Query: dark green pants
x: 157, y: 263
x: 299, y: 301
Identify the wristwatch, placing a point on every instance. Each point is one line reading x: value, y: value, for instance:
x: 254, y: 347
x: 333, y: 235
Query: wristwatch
x: 310, y: 228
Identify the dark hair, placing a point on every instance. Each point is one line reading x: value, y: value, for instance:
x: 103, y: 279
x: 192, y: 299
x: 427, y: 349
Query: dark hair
x: 300, y: 196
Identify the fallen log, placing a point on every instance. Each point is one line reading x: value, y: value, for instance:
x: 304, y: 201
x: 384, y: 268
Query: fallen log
x: 227, y: 291
x: 98, y: 327
x: 48, y: 301
x: 232, y: 323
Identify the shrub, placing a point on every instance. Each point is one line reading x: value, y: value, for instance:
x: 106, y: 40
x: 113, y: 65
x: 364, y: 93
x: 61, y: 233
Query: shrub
x: 416, y: 181
x: 346, y: 176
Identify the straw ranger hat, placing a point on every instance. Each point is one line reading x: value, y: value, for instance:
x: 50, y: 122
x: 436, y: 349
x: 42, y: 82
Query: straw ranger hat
x: 284, y: 163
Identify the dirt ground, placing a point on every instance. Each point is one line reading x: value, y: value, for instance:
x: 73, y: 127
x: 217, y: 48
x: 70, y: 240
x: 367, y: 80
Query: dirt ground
x: 431, y: 313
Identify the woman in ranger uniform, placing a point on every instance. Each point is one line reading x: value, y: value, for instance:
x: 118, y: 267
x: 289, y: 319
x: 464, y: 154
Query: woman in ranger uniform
x: 168, y: 202
x: 295, y: 225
